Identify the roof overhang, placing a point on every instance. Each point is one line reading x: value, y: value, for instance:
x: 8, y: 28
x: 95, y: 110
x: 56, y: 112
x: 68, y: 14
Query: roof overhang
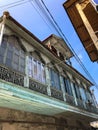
x: 59, y: 44
x: 85, y: 37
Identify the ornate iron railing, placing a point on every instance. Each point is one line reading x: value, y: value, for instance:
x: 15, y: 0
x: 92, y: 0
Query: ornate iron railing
x: 36, y: 86
x: 70, y: 99
x: 11, y: 76
x: 91, y: 108
x: 56, y: 93
x: 81, y: 104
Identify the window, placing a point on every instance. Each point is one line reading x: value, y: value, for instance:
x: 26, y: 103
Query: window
x: 36, y: 70
x: 43, y: 74
x: 83, y: 95
x: 55, y: 79
x: 77, y: 91
x: 30, y: 67
x: 11, y: 53
x: 67, y: 85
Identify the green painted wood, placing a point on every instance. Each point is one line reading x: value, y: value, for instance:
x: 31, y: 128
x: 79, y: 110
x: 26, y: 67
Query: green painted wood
x: 17, y: 97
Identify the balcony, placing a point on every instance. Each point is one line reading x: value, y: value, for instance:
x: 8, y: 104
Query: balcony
x: 70, y: 99
x: 17, y: 78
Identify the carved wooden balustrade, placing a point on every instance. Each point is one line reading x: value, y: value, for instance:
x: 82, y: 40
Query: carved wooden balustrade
x: 56, y: 93
x: 70, y: 99
x: 36, y: 86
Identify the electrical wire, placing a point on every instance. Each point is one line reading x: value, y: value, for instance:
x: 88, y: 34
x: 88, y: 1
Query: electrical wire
x: 11, y: 5
x: 39, y: 13
x: 3, y: 6
x: 65, y: 39
x: 47, y: 16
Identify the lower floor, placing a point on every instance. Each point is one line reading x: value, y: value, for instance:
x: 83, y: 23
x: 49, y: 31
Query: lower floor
x: 11, y: 119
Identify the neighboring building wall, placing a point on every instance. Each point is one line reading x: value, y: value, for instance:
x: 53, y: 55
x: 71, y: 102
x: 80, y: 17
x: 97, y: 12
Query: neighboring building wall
x: 19, y: 120
x: 84, y: 18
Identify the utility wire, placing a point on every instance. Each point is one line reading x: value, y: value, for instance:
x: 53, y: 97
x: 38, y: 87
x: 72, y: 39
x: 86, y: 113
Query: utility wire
x: 47, y: 16
x: 64, y: 37
x: 31, y: 2
x: 11, y: 5
x: 3, y: 6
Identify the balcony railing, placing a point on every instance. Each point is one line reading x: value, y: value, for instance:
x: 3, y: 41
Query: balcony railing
x: 81, y: 104
x: 56, y: 93
x: 17, y: 78
x: 36, y: 86
x: 70, y: 99
x: 11, y: 76
x: 91, y: 108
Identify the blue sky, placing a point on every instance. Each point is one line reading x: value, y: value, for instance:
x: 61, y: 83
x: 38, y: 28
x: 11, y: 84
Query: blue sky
x: 31, y: 19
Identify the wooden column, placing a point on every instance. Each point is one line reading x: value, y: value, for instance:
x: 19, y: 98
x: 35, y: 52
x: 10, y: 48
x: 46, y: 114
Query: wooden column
x: 26, y: 78
x: 74, y: 95
x: 48, y: 82
x: 87, y: 25
x: 2, y: 28
x: 62, y: 88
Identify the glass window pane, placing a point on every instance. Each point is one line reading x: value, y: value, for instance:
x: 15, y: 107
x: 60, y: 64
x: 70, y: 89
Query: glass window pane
x: 57, y: 80
x: 8, y: 62
x: 22, y: 69
x: 22, y: 62
x: 9, y: 54
x: 2, y: 51
x: 52, y: 77
x: 1, y: 59
x: 16, y: 58
x: 39, y: 77
x: 83, y: 94
x: 15, y: 66
x: 43, y: 74
x: 4, y: 42
x: 30, y: 67
x: 35, y: 69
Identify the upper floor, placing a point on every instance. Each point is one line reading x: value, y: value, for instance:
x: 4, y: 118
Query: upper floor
x: 32, y: 75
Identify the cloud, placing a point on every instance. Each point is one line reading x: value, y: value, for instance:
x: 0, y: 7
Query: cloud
x: 80, y: 57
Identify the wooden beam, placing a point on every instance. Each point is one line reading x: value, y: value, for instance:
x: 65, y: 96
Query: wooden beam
x: 87, y: 25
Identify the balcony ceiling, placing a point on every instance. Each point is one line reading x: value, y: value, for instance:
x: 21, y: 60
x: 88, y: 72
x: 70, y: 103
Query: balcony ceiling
x: 80, y: 28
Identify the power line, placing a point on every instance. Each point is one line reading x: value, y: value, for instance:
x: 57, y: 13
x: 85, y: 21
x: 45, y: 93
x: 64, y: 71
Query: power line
x: 39, y: 13
x: 47, y: 16
x: 64, y: 37
x: 11, y: 5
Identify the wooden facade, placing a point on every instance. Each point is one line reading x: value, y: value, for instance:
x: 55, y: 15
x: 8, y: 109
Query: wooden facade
x: 38, y: 89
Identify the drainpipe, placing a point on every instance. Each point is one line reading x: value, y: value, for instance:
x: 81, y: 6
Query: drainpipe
x: 5, y: 15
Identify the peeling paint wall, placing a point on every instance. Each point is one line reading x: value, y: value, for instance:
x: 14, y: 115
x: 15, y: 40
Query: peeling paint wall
x: 20, y: 120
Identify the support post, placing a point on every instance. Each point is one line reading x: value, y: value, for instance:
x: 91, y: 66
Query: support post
x: 26, y: 78
x: 48, y: 82
x: 62, y: 88
x: 74, y: 95
x: 5, y: 15
x: 87, y: 25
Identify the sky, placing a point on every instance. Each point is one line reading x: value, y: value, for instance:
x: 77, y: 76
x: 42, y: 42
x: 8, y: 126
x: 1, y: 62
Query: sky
x: 31, y: 17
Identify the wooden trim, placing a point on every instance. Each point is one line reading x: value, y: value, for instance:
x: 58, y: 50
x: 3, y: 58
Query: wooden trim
x: 87, y: 25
